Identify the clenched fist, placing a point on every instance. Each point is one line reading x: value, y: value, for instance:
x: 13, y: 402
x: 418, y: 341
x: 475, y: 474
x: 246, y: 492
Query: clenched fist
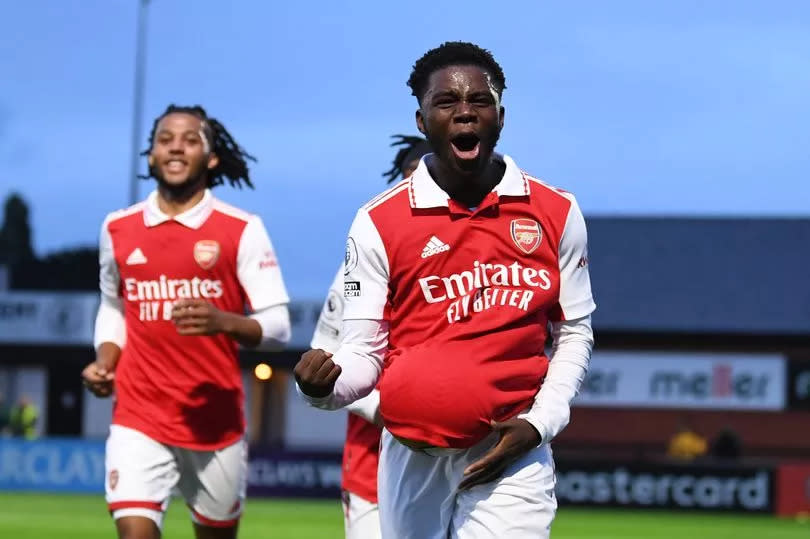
x: 98, y: 379
x: 99, y: 376
x: 316, y: 373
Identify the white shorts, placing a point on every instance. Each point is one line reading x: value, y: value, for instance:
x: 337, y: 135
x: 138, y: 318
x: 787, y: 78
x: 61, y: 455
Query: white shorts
x: 419, y: 498
x: 361, y: 518
x: 142, y: 474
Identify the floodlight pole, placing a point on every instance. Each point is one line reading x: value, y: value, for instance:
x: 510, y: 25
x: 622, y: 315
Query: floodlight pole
x: 137, y: 109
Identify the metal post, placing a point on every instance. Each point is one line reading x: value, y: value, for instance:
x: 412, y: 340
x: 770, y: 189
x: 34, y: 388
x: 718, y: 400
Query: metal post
x: 137, y: 110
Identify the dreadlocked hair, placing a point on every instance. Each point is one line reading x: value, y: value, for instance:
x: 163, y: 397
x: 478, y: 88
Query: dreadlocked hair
x: 232, y: 157
x: 453, y: 53
x: 412, y: 147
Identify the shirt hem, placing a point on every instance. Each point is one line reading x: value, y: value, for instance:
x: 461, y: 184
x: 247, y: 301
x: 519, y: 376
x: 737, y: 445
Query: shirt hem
x: 195, y: 446
x: 362, y: 492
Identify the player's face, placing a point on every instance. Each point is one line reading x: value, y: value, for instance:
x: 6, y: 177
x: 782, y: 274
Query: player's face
x: 179, y: 153
x: 462, y: 117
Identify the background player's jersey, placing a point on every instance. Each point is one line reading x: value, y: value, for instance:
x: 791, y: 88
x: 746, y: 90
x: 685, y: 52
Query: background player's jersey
x: 361, y: 452
x: 184, y: 391
x: 468, y: 295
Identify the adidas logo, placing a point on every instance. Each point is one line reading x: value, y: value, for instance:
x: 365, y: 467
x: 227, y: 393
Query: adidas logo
x: 434, y: 246
x: 136, y: 257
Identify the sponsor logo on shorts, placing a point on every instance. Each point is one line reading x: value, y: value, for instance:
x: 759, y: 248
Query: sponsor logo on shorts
x: 113, y: 479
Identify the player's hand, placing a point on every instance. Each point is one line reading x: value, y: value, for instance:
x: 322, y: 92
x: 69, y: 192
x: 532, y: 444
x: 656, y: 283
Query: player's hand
x: 198, y: 317
x: 518, y: 437
x: 316, y: 373
x: 98, y: 379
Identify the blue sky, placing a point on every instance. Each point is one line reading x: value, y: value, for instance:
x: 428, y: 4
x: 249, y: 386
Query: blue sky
x: 639, y: 107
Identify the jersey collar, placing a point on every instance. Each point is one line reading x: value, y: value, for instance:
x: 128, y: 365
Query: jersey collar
x: 426, y: 193
x: 192, y: 218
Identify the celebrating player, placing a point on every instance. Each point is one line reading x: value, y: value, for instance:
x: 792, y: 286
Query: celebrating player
x: 361, y: 452
x: 452, y: 279
x: 177, y: 272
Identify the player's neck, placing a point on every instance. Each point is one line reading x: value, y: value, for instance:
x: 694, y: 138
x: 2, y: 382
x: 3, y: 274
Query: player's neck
x: 468, y: 190
x: 173, y: 201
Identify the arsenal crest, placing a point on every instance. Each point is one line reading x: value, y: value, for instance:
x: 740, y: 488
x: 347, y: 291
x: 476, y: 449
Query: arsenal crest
x: 113, y: 479
x: 206, y: 253
x: 526, y: 234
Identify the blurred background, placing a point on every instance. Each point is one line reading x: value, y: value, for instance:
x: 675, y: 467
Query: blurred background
x: 682, y: 127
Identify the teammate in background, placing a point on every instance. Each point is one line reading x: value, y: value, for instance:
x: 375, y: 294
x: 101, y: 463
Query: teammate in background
x: 411, y: 151
x: 177, y: 272
x: 361, y: 452
x: 453, y: 277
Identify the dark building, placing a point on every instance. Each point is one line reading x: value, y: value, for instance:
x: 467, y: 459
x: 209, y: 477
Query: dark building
x: 697, y: 286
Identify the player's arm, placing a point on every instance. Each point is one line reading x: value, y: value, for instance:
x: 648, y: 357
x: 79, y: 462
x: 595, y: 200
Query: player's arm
x: 259, y: 275
x: 570, y: 357
x: 368, y: 408
x: 572, y: 334
x: 327, y: 337
x: 110, y: 329
x: 327, y: 333
x: 269, y: 326
x: 332, y: 382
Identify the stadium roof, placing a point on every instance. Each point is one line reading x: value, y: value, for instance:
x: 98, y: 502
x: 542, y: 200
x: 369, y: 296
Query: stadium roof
x: 747, y: 276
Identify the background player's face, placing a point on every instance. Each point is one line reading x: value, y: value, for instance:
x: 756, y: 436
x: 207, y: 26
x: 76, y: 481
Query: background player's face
x: 179, y: 154
x: 462, y: 117
x: 409, y: 168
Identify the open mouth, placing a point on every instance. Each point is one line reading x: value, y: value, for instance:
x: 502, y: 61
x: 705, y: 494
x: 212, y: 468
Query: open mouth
x: 176, y: 165
x: 466, y: 146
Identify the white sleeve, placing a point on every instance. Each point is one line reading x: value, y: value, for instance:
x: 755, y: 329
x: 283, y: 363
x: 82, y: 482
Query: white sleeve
x: 360, y: 357
x: 365, y: 275
x: 109, y: 279
x: 570, y: 358
x: 327, y: 331
x: 576, y: 299
x: 257, y: 267
x: 110, y: 325
x: 327, y: 337
x: 275, y: 324
x: 368, y: 407
x: 365, y: 331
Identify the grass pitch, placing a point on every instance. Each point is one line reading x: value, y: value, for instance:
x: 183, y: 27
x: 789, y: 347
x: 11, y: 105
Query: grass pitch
x: 55, y: 516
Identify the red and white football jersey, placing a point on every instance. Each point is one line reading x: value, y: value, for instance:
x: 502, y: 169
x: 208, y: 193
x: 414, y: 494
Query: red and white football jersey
x: 361, y: 457
x: 184, y: 391
x: 361, y: 451
x: 468, y: 294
